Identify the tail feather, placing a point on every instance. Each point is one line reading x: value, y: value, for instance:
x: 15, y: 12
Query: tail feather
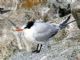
x: 64, y: 24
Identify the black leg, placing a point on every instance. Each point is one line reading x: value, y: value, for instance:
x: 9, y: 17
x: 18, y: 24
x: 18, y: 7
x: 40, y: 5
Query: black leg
x: 38, y: 49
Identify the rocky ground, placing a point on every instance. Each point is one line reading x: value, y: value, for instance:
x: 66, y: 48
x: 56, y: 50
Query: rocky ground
x: 64, y: 46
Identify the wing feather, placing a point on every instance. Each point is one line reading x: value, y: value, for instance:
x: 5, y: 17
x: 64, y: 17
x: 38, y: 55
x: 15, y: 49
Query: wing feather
x: 44, y: 31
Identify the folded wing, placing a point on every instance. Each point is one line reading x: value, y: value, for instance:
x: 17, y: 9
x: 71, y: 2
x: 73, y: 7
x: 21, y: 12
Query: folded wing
x: 44, y: 31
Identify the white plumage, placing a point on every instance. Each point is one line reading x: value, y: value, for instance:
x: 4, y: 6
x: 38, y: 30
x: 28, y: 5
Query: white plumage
x: 40, y: 32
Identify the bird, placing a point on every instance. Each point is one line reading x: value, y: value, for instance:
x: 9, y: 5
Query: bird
x: 41, y: 32
x: 2, y: 11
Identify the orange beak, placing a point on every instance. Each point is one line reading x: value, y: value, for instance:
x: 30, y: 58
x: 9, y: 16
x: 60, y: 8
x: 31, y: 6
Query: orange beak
x: 18, y: 29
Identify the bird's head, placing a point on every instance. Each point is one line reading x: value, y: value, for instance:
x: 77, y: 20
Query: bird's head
x: 26, y: 26
x: 19, y: 29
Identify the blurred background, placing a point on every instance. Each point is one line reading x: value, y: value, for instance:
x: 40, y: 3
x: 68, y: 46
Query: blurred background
x: 64, y: 46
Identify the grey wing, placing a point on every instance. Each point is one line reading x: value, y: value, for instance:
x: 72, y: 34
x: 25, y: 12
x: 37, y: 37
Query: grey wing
x: 44, y: 32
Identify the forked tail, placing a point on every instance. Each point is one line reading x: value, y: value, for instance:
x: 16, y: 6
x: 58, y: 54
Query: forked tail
x: 64, y: 23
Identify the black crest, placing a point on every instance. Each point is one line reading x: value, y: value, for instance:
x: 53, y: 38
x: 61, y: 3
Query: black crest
x: 29, y: 24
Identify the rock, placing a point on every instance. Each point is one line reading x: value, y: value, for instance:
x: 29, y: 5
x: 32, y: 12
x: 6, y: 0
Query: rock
x: 78, y: 57
x: 64, y: 46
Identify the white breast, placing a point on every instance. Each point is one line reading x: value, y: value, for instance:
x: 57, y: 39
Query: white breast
x: 28, y: 34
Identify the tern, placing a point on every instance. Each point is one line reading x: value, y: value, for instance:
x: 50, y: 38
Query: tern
x: 41, y: 32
